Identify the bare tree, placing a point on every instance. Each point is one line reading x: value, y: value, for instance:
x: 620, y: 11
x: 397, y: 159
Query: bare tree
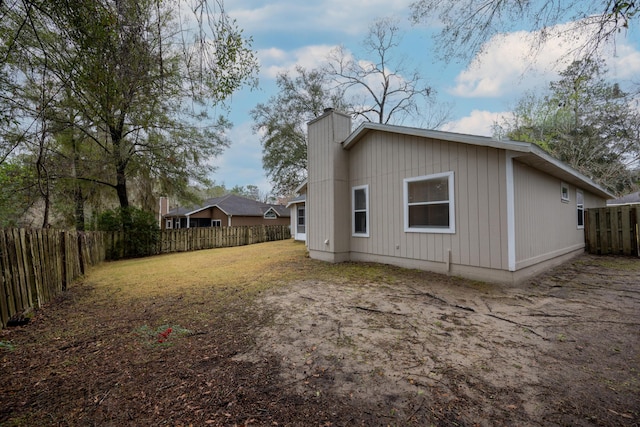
x: 381, y: 88
x: 468, y: 24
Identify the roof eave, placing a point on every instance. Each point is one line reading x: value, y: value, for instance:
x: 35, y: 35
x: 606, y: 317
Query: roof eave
x: 523, y: 148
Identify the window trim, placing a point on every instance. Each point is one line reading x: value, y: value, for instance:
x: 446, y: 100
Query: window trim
x: 580, y: 209
x: 270, y: 214
x: 452, y: 211
x: 216, y: 223
x: 301, y: 228
x: 564, y: 195
x: 366, y: 210
x: 168, y: 225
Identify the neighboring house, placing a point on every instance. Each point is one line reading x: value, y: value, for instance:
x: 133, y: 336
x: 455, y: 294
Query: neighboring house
x: 229, y: 210
x: 629, y: 199
x: 459, y: 204
x: 298, y: 213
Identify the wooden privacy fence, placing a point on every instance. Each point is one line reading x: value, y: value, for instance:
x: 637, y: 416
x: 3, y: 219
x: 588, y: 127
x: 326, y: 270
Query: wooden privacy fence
x: 612, y: 230
x: 36, y: 265
x: 193, y: 239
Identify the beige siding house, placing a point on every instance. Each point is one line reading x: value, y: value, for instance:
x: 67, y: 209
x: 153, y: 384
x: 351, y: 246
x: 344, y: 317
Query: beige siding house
x: 458, y: 204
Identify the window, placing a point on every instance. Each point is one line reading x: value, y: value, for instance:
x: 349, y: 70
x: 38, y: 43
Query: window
x: 270, y: 214
x: 216, y: 223
x: 300, y: 226
x: 428, y: 204
x: 580, y: 208
x: 564, y: 192
x: 169, y: 224
x: 360, y: 209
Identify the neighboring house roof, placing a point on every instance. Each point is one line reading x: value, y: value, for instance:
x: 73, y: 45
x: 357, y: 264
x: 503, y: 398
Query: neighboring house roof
x: 233, y: 205
x: 529, y: 154
x: 625, y: 200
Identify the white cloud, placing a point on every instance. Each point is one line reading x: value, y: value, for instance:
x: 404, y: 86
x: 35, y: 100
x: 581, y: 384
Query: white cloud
x: 510, y: 64
x: 329, y: 16
x: 479, y: 122
x: 275, y: 61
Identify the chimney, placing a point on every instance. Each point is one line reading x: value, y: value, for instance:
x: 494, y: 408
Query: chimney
x: 328, y: 197
x: 163, y: 209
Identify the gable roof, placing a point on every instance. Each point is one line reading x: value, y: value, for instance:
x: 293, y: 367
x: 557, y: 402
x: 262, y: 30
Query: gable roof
x: 527, y: 153
x: 234, y: 205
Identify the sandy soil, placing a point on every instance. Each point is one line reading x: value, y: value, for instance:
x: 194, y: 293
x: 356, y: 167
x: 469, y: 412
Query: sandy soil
x: 562, y: 349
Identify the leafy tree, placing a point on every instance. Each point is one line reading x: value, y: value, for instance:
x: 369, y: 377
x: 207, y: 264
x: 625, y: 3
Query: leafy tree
x: 468, y: 24
x: 586, y: 122
x: 17, y: 192
x: 380, y: 88
x: 282, y: 122
x: 126, y: 78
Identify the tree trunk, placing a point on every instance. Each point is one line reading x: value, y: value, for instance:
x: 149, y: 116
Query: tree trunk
x: 120, y: 162
x: 79, y: 208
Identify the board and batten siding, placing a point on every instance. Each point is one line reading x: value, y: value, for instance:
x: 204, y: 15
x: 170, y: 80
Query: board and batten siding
x: 545, y: 225
x: 383, y: 160
x: 328, y: 226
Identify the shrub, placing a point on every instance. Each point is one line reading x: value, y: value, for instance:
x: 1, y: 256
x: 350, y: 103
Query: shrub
x: 138, y: 232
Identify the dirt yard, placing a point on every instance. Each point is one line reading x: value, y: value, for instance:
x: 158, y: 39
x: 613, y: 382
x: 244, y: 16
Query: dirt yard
x: 270, y: 337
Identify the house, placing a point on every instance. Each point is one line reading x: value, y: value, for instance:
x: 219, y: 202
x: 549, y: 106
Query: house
x: 628, y: 199
x: 298, y: 214
x: 229, y: 210
x: 459, y: 204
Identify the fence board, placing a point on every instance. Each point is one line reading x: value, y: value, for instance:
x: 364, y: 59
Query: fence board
x: 612, y: 230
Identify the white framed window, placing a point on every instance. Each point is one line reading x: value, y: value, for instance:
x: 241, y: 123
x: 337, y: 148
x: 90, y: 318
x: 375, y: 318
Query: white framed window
x: 360, y: 211
x: 301, y: 222
x: 564, y: 192
x: 429, y: 204
x: 580, y: 208
x: 216, y: 223
x: 270, y: 214
x: 168, y: 224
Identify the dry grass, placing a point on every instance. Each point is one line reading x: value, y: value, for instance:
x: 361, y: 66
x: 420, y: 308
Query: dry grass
x: 246, y: 268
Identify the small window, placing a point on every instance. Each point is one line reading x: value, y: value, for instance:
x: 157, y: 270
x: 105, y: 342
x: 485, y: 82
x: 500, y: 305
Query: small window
x: 270, y: 214
x: 300, y: 225
x: 429, y: 204
x: 580, y: 208
x: 169, y: 224
x: 564, y: 192
x: 216, y: 223
x: 360, y: 209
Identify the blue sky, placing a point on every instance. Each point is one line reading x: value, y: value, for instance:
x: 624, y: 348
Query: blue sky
x: 287, y: 33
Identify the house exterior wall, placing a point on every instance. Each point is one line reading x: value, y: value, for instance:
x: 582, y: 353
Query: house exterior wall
x: 237, y: 221
x: 297, y: 233
x: 383, y: 160
x: 545, y: 225
x: 328, y: 226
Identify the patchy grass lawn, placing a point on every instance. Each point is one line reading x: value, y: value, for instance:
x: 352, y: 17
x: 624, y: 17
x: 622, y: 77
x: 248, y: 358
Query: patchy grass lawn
x: 263, y: 335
